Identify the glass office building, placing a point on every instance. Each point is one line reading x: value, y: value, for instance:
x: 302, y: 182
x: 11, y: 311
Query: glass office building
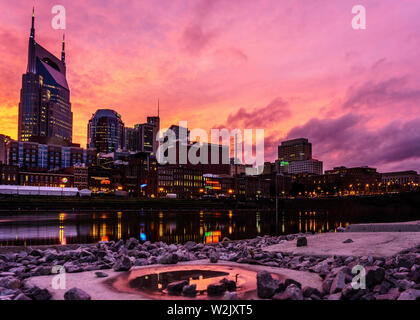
x: 45, y: 110
x: 106, y: 131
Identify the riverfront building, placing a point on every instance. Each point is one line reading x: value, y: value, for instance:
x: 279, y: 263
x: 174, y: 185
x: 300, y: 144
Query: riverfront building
x: 401, y: 178
x: 35, y: 156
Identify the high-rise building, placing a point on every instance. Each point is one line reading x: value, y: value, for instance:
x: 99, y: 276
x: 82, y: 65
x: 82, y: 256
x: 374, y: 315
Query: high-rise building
x: 146, y: 134
x: 155, y: 122
x: 106, y: 131
x: 295, y: 150
x: 45, y: 110
x: 141, y: 138
x: 132, y: 139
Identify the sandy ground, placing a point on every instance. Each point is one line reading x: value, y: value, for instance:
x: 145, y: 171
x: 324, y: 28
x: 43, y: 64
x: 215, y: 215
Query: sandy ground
x: 375, y: 244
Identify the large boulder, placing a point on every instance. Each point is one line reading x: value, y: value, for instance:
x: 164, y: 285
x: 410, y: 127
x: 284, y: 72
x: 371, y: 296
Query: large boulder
x: 214, y: 290
x: 292, y: 292
x: 214, y: 257
x: 301, y: 242
x: 190, y: 245
x: 230, y: 285
x: 338, y: 283
x: 122, y: 264
x: 76, y: 294
x: 189, y: 290
x: 131, y: 243
x: 175, y: 288
x: 169, y: 258
x: 37, y: 293
x: 101, y: 274
x: 374, y: 276
x: 309, y: 291
x: 266, y: 285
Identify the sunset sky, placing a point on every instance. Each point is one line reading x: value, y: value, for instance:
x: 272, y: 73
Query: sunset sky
x: 295, y: 68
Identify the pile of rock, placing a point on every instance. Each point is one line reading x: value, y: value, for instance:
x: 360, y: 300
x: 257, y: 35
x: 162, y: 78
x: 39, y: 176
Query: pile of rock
x: 397, y: 277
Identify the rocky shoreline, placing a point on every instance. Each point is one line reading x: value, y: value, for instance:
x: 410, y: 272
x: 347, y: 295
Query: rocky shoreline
x: 391, y: 278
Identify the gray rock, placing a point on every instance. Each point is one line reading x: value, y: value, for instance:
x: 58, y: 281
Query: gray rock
x: 214, y: 290
x: 301, y: 242
x: 338, y: 283
x: 292, y: 292
x: 189, y: 290
x: 101, y: 274
x: 349, y: 293
x: 266, y: 285
x: 374, y: 276
x: 322, y: 267
x: 122, y: 264
x: 76, y: 294
x: 10, y: 283
x: 214, y: 258
x: 289, y: 281
x: 39, y: 294
x: 141, y: 262
x: 410, y: 294
x: 326, y: 285
x: 169, y: 258
x: 393, y: 294
x: 131, y: 243
x: 406, y: 261
x: 230, y: 285
x: 172, y: 248
x: 175, y: 288
x: 309, y: 291
x: 43, y: 270
x: 190, y: 245
x: 348, y: 241
x: 400, y: 275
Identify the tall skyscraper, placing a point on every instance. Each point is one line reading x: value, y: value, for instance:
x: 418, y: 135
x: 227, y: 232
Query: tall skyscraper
x: 106, y: 131
x: 295, y: 150
x: 155, y: 122
x: 143, y: 136
x: 45, y: 110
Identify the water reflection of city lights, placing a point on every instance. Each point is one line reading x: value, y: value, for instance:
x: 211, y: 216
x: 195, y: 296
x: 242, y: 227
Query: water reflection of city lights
x: 213, y: 236
x: 119, y: 215
x: 62, y: 238
x: 258, y: 222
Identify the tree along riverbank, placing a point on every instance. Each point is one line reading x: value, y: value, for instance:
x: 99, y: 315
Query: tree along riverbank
x: 391, y: 203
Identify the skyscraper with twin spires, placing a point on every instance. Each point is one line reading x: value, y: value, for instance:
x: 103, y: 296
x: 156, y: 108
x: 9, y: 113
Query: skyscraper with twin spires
x: 45, y: 110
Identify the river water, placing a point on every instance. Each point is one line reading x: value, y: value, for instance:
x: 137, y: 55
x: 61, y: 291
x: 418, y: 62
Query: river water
x: 176, y: 227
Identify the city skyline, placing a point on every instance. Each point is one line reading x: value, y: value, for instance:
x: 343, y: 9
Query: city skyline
x: 348, y: 115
